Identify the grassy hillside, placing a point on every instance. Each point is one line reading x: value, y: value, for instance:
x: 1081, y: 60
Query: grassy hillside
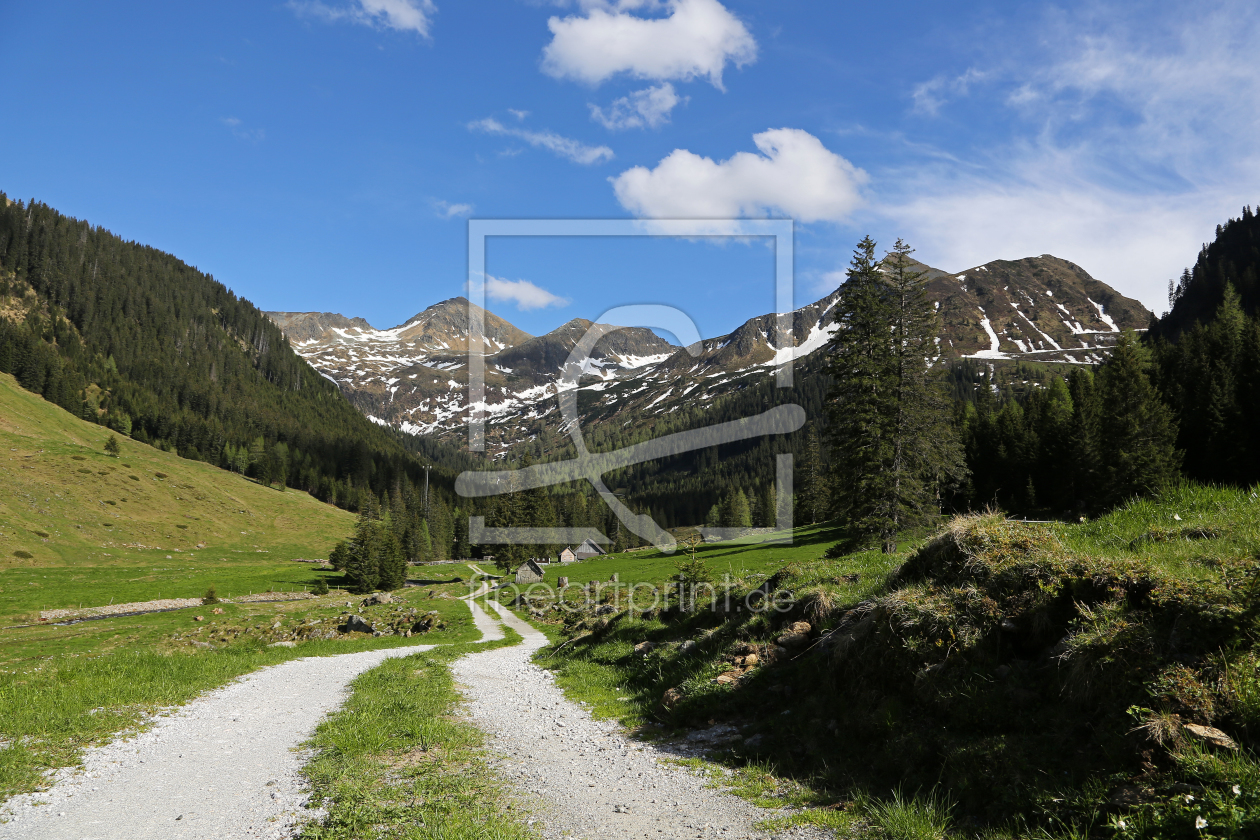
x: 1096, y: 679
x: 78, y: 526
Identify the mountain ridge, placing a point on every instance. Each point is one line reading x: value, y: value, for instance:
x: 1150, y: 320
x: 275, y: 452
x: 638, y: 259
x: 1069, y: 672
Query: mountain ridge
x: 1040, y: 308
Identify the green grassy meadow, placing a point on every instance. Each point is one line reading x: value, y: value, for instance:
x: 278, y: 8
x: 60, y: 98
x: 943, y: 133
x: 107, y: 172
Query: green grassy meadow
x: 78, y: 527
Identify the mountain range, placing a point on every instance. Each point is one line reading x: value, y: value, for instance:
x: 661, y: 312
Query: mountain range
x: 414, y: 377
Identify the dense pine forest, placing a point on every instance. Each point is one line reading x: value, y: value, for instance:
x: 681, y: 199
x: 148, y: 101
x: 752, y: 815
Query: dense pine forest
x: 132, y: 338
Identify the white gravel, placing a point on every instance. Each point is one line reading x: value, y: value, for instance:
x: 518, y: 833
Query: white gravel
x: 228, y: 765
x: 584, y: 778
x: 224, y: 766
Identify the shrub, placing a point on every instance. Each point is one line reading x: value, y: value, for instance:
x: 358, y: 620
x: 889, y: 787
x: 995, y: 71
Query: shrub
x: 211, y: 597
x: 320, y: 587
x: 23, y: 555
x: 111, y: 446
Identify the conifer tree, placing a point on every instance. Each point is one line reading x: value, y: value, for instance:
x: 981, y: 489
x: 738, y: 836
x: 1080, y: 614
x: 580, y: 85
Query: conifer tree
x: 767, y: 504
x: 1138, y: 433
x: 814, y: 495
x: 893, y: 444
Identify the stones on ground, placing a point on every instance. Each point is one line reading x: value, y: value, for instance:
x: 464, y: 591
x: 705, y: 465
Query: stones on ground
x: 644, y: 648
x: 795, y: 636
x: 687, y: 646
x: 199, y: 618
x: 283, y: 644
x: 355, y: 624
x: 1210, y: 735
x: 671, y: 698
x: 606, y: 609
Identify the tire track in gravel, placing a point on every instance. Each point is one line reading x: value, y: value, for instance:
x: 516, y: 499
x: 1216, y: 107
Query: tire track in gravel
x: 584, y: 778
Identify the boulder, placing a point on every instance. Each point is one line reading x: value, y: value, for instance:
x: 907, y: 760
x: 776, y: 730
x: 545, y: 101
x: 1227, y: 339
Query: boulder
x: 562, y: 582
x: 355, y: 624
x: 1210, y: 735
x: 751, y: 660
x: 671, y: 698
x: 796, y: 635
x: 688, y: 646
x: 424, y: 625
x: 644, y: 648
x: 377, y: 598
x: 606, y: 609
x: 727, y: 678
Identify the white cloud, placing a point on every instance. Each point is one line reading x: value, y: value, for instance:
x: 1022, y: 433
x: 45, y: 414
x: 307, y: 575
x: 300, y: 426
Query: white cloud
x: 1134, y: 136
x: 565, y: 147
x: 448, y: 211
x: 401, y: 15
x: 648, y: 107
x: 929, y: 96
x: 254, y: 135
x: 696, y: 39
x: 795, y: 175
x: 520, y: 115
x: 523, y: 293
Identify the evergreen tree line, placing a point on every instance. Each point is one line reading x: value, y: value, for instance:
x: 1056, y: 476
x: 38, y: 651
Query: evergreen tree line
x: 1080, y: 445
x: 132, y: 338
x: 1184, y: 400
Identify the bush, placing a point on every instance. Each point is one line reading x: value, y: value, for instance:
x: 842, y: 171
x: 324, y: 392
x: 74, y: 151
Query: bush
x: 320, y: 587
x: 211, y: 597
x: 111, y: 446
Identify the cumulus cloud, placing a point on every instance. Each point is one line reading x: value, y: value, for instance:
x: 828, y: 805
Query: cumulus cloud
x: 523, y: 293
x: 565, y: 147
x: 448, y: 211
x: 650, y: 107
x: 695, y: 39
x: 401, y: 15
x: 794, y: 175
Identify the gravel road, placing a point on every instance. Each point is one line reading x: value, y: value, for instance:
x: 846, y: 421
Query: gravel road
x: 223, y: 766
x: 582, y: 778
x: 228, y: 765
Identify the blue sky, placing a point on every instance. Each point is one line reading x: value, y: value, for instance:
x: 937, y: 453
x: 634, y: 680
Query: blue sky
x: 325, y: 154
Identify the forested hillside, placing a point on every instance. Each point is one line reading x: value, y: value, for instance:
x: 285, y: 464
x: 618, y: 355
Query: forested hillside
x: 1185, y: 400
x: 133, y: 338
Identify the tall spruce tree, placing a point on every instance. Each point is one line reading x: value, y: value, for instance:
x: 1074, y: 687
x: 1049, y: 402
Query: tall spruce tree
x: 814, y: 493
x: 893, y: 444
x: 1138, y: 432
